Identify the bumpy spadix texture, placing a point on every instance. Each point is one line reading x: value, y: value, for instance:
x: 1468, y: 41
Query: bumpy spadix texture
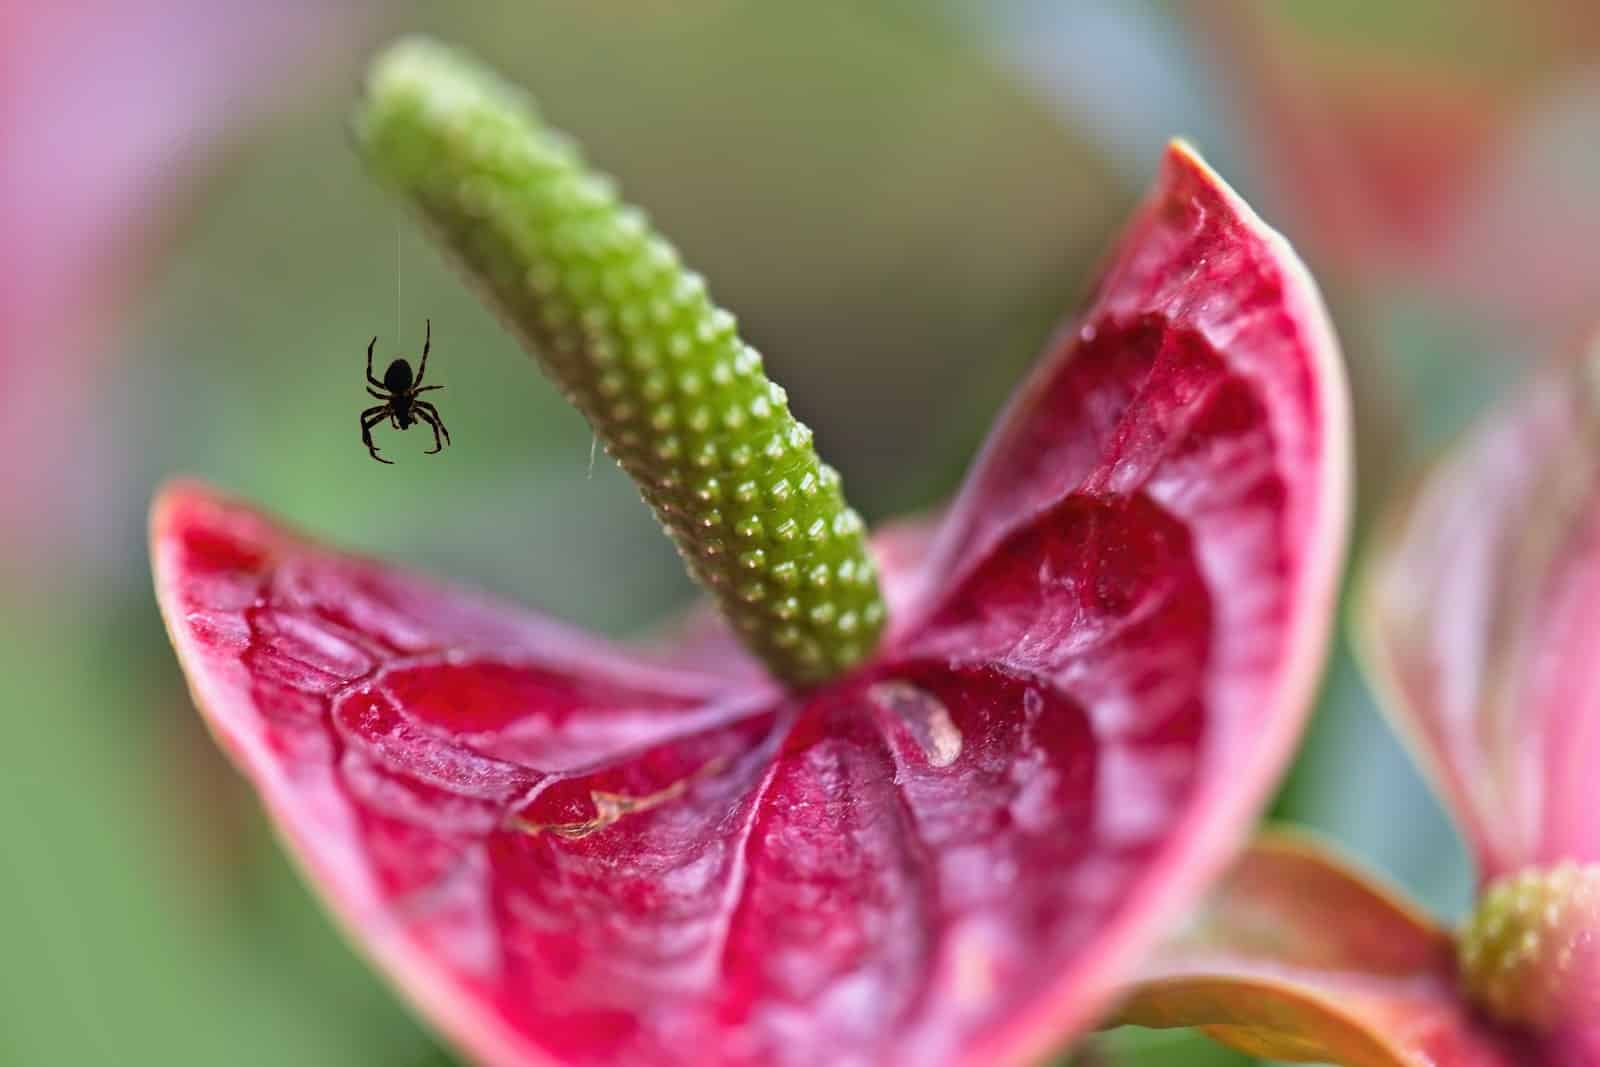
x: 1531, y: 952
x: 633, y: 339
x: 567, y: 852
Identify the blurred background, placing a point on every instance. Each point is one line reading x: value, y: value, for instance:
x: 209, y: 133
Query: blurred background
x: 899, y: 199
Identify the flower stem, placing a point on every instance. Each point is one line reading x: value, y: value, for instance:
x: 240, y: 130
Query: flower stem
x: 632, y: 338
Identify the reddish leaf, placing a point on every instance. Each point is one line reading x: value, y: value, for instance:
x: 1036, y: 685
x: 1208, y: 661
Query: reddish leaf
x: 1479, y: 619
x: 1297, y: 956
x: 1415, y: 141
x: 1371, y: 138
x: 566, y: 853
x: 1528, y: 240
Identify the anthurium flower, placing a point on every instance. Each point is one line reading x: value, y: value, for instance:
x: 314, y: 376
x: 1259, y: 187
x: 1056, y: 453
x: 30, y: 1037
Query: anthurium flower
x: 1480, y: 625
x: 926, y: 798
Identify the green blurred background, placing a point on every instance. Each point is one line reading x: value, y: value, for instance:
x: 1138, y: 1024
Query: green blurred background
x: 899, y: 199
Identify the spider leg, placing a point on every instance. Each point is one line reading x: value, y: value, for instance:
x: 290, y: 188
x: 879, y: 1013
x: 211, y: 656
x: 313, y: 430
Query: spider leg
x: 427, y: 343
x: 373, y: 392
x: 430, y: 415
x: 370, y: 379
x: 423, y: 416
x: 370, y: 418
x: 425, y: 388
x: 431, y: 410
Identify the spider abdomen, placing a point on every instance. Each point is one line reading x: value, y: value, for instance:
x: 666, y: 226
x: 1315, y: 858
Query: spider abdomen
x: 397, y: 379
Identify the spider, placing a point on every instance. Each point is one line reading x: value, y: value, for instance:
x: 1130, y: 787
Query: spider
x: 400, y: 404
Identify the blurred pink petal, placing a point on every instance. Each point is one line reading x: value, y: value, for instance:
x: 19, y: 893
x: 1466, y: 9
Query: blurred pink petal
x: 1479, y: 611
x: 111, y: 109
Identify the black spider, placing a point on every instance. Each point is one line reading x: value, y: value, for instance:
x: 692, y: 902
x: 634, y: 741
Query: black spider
x: 400, y: 404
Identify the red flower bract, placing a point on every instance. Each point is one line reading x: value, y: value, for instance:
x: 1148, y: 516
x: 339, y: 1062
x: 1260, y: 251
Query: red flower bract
x: 570, y: 853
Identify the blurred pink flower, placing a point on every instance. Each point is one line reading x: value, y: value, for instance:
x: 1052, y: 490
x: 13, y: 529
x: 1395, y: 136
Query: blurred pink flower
x: 112, y: 111
x: 1479, y: 613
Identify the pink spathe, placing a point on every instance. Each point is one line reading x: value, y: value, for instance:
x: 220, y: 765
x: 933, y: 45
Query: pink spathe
x: 569, y: 852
